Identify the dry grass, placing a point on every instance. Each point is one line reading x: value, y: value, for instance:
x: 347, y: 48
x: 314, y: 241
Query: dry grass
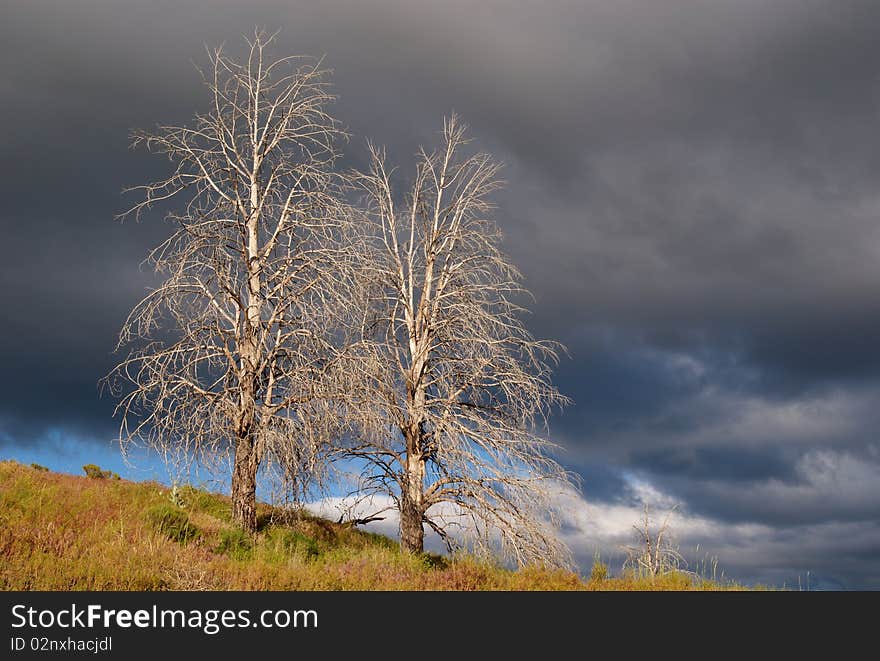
x: 61, y: 532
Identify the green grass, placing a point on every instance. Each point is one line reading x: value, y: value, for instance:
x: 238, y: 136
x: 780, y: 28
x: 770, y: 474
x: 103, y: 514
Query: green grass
x: 235, y: 543
x: 172, y: 522
x: 64, y: 532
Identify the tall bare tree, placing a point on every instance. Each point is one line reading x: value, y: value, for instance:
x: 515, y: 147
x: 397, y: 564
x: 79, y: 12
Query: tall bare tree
x: 457, y: 389
x: 231, y: 351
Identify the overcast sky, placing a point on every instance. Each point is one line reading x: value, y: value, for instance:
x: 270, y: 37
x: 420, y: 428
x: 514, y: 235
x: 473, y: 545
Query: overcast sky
x: 693, y: 195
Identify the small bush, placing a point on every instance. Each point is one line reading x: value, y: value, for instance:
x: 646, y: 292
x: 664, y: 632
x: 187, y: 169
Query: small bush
x: 296, y: 543
x: 431, y: 561
x: 94, y: 471
x: 599, y: 572
x: 175, y: 497
x: 278, y: 545
x: 236, y: 543
x: 201, y: 501
x: 379, y: 541
x: 173, y: 523
x: 39, y: 467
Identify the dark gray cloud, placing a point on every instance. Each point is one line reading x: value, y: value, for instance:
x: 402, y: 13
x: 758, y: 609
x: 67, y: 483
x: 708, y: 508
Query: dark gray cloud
x: 692, y: 196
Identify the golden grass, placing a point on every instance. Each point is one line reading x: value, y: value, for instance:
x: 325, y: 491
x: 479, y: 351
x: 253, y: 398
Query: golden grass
x: 62, y: 532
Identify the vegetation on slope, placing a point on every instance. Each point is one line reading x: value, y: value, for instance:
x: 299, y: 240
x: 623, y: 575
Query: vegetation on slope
x: 62, y: 532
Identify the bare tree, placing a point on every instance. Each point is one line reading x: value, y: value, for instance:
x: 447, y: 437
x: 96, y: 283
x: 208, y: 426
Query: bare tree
x: 655, y: 552
x: 456, y: 387
x: 231, y: 351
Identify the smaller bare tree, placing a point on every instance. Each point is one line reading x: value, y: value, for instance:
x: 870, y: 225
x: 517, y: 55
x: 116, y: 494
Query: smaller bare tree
x: 454, y: 390
x: 655, y: 553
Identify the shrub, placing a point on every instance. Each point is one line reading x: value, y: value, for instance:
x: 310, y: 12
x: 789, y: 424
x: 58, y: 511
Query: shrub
x: 201, y: 501
x: 599, y: 572
x: 379, y: 541
x: 173, y: 523
x: 235, y: 543
x: 296, y: 543
x: 433, y: 561
x: 94, y: 471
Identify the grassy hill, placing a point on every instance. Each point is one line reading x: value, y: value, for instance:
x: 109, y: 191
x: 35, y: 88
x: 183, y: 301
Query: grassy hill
x: 62, y: 532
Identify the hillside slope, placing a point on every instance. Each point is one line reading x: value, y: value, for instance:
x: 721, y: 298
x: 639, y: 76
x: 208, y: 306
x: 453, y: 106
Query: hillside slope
x: 62, y: 532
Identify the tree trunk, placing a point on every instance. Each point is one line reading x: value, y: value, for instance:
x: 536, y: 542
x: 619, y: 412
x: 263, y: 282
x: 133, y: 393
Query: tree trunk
x: 247, y: 459
x: 412, y: 533
x: 244, y: 485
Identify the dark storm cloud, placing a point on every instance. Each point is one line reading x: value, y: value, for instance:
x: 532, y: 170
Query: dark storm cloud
x: 692, y: 196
